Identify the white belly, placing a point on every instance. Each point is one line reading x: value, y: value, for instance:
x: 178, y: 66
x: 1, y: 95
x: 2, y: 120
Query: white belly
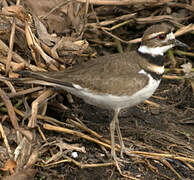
x: 108, y: 101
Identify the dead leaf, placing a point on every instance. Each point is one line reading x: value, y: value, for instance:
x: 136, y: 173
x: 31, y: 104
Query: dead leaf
x: 17, y: 11
x: 9, y: 166
x: 43, y: 34
x: 26, y: 174
x: 186, y: 68
x: 13, y: 75
x: 17, y: 66
x: 68, y: 44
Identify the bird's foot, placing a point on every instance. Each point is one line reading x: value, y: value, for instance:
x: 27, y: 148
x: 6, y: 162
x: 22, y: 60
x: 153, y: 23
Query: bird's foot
x: 119, y: 162
x: 124, y: 150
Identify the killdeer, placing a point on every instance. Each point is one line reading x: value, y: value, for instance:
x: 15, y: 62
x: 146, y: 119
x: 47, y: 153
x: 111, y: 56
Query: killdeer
x: 120, y: 80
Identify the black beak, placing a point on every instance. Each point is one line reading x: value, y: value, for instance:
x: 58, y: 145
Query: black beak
x: 179, y: 43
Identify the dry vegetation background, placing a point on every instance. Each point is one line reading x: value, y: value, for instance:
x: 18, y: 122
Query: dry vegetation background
x: 40, y: 129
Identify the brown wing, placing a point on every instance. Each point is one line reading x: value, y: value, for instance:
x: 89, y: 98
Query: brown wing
x: 124, y: 84
x: 114, y: 74
x: 117, y: 85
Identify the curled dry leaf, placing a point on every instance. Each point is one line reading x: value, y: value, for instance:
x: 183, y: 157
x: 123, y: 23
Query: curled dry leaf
x: 37, y: 51
x: 42, y: 32
x: 67, y: 44
x: 17, y: 66
x: 17, y: 11
x: 83, y: 44
x: 13, y: 75
x: 9, y: 166
x: 186, y: 68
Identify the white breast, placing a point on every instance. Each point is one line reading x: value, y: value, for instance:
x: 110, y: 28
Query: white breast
x: 108, y: 101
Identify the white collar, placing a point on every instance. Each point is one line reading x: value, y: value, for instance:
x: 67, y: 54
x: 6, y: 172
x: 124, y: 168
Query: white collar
x: 154, y: 51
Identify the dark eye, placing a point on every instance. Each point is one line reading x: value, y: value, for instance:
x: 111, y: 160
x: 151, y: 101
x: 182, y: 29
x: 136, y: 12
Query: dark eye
x: 161, y: 36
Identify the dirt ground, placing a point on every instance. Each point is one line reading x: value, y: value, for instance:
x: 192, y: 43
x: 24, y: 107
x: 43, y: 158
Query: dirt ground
x: 166, y: 129
x: 47, y: 134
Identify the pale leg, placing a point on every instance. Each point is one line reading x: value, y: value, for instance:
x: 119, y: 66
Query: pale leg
x: 120, y: 137
x: 112, y: 133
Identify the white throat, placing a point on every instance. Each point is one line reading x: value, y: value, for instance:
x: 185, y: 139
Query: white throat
x: 155, y: 51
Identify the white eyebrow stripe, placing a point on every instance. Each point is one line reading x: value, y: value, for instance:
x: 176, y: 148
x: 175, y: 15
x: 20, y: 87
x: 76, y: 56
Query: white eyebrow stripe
x: 156, y: 34
x: 170, y: 35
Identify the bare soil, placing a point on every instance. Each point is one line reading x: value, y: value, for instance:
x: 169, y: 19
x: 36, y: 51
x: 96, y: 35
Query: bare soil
x: 166, y: 129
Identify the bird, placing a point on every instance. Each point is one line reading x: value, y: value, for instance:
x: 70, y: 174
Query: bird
x: 117, y: 81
